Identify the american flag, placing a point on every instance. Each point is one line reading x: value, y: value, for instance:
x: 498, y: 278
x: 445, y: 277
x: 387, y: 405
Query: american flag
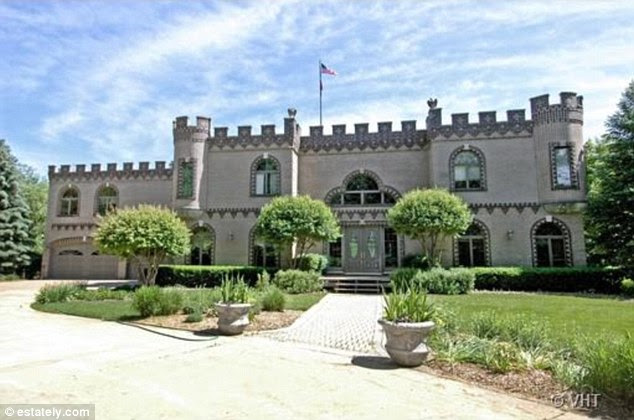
x: 326, y: 70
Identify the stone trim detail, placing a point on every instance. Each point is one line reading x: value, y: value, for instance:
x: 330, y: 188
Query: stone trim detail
x: 483, y: 168
x: 358, y: 172
x: 566, y: 234
x: 111, y: 173
x: 487, y: 244
x: 73, y: 226
x: 212, y: 251
x: 179, y: 181
x: 490, y: 207
x: 233, y: 211
x: 254, y: 165
x: 574, y: 174
x: 408, y: 138
x: 487, y: 125
x: 342, y: 189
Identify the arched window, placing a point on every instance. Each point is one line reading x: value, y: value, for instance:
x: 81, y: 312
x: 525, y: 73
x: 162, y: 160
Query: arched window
x: 107, y: 199
x: 551, y: 244
x: 361, y: 189
x: 262, y: 254
x: 467, y: 170
x: 69, y: 202
x: 265, y: 177
x: 472, y: 246
x: 202, y: 246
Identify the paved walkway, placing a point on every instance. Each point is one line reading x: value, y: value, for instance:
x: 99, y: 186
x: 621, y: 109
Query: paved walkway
x: 340, y: 321
x: 130, y: 373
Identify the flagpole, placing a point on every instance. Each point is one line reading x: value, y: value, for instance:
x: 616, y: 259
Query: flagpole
x: 321, y: 88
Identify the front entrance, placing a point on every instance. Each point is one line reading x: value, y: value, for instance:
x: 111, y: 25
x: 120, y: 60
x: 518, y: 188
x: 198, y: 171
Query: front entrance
x: 363, y: 249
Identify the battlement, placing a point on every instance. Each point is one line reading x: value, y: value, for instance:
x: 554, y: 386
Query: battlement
x: 568, y: 110
x: 487, y: 125
x: 363, y: 138
x: 111, y: 170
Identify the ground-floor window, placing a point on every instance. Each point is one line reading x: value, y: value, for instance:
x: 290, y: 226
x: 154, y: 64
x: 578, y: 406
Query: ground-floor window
x: 202, y: 247
x: 334, y: 253
x: 390, y: 241
x: 472, y: 247
x: 550, y: 246
x: 265, y: 255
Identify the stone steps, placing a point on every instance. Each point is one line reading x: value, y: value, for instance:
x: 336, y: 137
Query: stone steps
x: 357, y: 284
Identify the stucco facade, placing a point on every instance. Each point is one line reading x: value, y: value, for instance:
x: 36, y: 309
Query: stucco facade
x: 523, y: 179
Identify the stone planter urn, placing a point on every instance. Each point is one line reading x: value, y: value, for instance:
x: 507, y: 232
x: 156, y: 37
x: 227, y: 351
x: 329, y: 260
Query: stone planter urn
x: 406, y: 342
x: 233, y: 318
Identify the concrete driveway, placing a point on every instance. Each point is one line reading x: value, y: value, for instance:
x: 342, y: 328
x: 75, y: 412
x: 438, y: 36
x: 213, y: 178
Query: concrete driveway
x: 130, y: 373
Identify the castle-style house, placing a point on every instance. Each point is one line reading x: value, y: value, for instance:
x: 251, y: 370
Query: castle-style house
x: 523, y: 179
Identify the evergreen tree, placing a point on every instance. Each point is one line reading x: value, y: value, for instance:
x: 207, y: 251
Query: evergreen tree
x: 610, y: 215
x: 15, y: 242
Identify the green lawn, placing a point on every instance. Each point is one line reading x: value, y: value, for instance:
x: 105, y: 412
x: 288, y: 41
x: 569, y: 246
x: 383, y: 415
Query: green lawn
x: 566, y: 316
x: 121, y: 310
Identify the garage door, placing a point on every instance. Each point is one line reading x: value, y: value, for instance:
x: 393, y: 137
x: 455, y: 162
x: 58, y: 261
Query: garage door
x: 80, y: 263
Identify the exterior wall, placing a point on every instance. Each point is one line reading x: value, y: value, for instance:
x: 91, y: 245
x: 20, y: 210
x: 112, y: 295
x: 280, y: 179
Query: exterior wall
x: 518, y: 171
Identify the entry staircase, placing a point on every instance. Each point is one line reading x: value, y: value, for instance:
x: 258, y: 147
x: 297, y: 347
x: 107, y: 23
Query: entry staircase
x: 363, y: 283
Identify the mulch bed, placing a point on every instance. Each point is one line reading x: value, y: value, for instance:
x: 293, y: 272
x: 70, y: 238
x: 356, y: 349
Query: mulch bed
x: 264, y: 321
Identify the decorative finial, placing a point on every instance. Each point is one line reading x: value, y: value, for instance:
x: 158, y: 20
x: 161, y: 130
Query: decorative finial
x: 292, y: 112
x: 432, y: 103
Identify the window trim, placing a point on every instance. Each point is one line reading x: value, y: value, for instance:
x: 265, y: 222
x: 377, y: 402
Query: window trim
x: 574, y: 176
x: 212, y: 249
x: 97, y: 197
x: 566, y: 236
x: 487, y: 244
x: 254, y: 166
x: 452, y: 165
x: 60, y: 200
x: 342, y: 190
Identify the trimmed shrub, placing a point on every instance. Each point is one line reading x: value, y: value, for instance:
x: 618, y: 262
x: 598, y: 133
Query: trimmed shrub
x: 205, y: 276
x: 312, y: 262
x: 415, y: 261
x: 627, y: 287
x: 152, y: 300
x: 562, y: 279
x: 297, y: 281
x: 61, y: 292
x: 437, y: 280
x: 273, y: 299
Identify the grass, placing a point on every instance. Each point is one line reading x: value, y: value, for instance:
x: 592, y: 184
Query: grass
x: 565, y: 316
x: 107, y: 310
x: 121, y: 310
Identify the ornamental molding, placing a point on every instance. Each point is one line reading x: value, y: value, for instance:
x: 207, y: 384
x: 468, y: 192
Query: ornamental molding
x: 487, y: 243
x: 233, y: 211
x: 504, y: 207
x: 339, y: 141
x: 574, y: 170
x: 74, y: 226
x: 481, y: 161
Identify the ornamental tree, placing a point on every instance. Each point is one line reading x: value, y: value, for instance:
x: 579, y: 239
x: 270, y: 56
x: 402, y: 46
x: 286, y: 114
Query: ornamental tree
x: 610, y: 212
x: 15, y: 241
x: 146, y: 235
x: 299, y: 220
x: 429, y: 216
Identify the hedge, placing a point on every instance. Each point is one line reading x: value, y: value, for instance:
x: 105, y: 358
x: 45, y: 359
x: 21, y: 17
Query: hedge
x: 205, y: 276
x: 565, y: 279
x: 438, y: 280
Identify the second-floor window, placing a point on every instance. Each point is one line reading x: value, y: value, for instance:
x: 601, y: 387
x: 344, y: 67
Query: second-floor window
x: 107, y: 200
x: 267, y: 177
x: 186, y: 179
x: 563, y: 169
x: 69, y: 203
x: 467, y: 171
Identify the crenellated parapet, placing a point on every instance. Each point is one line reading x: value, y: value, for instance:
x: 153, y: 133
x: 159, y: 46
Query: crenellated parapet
x: 110, y: 172
x: 568, y: 110
x: 184, y: 132
x: 487, y: 125
x: 384, y: 138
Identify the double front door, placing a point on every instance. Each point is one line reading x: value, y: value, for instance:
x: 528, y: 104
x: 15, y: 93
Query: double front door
x: 363, y: 249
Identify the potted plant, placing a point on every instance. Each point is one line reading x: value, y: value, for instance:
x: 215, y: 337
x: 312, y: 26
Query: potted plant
x: 233, y: 308
x: 407, y: 322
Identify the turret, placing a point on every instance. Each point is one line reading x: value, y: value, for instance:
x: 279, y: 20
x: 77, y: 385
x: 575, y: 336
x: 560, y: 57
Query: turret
x: 189, y: 162
x: 558, y: 137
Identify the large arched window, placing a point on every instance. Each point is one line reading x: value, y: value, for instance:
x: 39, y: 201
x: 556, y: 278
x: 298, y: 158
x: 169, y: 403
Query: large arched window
x: 467, y: 170
x: 265, y: 177
x: 551, y: 244
x: 202, y: 246
x: 471, y: 248
x: 69, y: 202
x: 361, y: 189
x: 107, y: 199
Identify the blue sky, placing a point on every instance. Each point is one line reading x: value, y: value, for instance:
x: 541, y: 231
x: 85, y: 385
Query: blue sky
x: 84, y: 82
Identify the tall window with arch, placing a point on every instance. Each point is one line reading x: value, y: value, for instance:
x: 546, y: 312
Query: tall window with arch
x: 266, y: 177
x: 202, y: 246
x: 472, y: 246
x: 107, y: 199
x: 362, y: 190
x: 265, y: 255
x: 467, y: 171
x: 69, y: 202
x: 550, y: 245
